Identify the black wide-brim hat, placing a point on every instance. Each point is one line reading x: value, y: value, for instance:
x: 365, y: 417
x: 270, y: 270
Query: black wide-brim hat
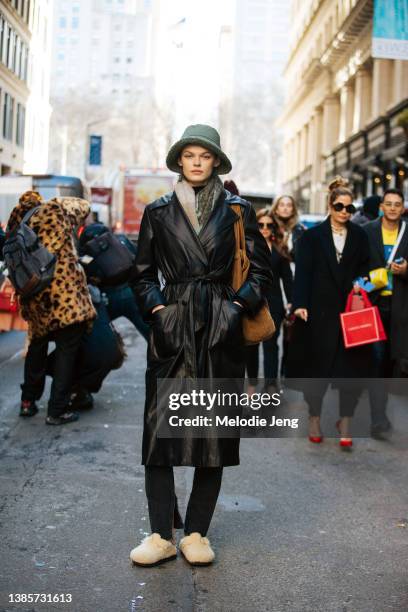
x: 205, y: 136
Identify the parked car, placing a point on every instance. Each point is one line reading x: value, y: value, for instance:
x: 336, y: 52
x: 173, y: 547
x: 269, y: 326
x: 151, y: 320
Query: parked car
x: 311, y: 219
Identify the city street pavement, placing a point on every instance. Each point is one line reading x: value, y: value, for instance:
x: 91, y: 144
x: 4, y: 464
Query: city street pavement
x: 298, y: 528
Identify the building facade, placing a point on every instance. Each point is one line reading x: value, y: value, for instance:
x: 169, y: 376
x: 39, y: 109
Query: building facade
x: 100, y: 45
x: 15, y: 35
x: 24, y: 85
x: 343, y: 106
x: 101, y: 68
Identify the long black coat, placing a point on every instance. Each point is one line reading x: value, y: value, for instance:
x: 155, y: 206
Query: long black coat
x: 322, y: 286
x: 399, y: 303
x: 198, y: 334
x: 281, y: 271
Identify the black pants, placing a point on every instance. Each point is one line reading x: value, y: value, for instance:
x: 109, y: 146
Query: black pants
x: 348, y: 400
x: 383, y: 367
x: 162, y: 500
x: 270, y: 357
x: 99, y: 353
x: 67, y: 341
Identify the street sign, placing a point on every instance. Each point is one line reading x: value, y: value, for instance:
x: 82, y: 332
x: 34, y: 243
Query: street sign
x: 95, y: 150
x: 390, y: 29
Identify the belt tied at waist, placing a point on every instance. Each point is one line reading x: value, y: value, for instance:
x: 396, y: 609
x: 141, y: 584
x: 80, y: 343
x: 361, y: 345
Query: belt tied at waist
x: 197, y: 299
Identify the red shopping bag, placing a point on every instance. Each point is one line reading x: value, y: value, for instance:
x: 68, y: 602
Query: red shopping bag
x: 361, y: 326
x: 8, y: 300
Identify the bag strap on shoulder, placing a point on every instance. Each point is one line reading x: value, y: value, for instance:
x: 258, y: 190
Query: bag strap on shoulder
x: 398, y: 242
x: 241, y: 261
x: 29, y: 214
x: 239, y: 227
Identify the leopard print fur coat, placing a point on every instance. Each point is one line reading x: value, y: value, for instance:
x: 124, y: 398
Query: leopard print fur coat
x: 66, y: 300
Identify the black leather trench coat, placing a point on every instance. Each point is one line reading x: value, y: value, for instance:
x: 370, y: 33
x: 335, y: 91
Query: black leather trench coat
x: 198, y: 334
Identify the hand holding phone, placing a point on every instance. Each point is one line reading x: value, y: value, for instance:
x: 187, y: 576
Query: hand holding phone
x: 399, y: 266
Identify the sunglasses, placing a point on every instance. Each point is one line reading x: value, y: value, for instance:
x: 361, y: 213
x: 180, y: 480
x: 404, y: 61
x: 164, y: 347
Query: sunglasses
x: 268, y: 225
x: 349, y: 208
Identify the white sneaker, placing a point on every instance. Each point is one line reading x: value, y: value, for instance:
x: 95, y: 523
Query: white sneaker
x: 153, y: 551
x: 196, y: 549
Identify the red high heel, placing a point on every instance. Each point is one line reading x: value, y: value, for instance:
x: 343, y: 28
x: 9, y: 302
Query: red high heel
x: 344, y: 443
x: 315, y: 439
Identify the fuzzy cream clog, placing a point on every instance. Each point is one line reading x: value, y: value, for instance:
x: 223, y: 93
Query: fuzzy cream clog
x: 196, y: 549
x: 153, y: 551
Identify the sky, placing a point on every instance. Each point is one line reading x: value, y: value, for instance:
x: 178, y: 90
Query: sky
x: 189, y: 57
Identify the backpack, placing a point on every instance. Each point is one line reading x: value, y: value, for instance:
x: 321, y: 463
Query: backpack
x: 112, y: 261
x: 30, y: 265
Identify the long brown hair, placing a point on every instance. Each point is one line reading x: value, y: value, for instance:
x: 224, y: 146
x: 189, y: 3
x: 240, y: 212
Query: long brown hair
x: 339, y: 186
x: 293, y: 220
x: 278, y: 237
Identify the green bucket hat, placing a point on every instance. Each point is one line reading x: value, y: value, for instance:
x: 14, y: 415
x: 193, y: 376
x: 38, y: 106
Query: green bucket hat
x: 205, y: 136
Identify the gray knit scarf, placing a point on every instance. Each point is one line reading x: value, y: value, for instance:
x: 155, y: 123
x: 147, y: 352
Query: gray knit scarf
x: 198, y: 206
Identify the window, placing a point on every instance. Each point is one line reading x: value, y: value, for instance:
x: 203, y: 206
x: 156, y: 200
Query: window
x: 24, y: 63
x: 21, y: 61
x: 95, y: 42
x: 61, y: 40
x: 14, y: 59
x: 75, y: 23
x: 75, y: 8
x: 7, y: 58
x: 61, y: 56
x: 17, y: 56
x: 129, y: 60
x: 28, y: 11
x: 20, y: 125
x: 62, y: 22
x: 2, y: 36
x: 8, y: 112
x: 117, y: 60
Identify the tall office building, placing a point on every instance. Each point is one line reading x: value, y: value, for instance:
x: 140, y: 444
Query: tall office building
x: 101, y: 46
x: 259, y: 51
x: 25, y: 38
x: 101, y: 70
x: 261, y: 43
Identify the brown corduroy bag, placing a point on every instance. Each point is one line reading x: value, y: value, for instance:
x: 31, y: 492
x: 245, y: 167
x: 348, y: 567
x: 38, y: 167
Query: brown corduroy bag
x: 261, y: 326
